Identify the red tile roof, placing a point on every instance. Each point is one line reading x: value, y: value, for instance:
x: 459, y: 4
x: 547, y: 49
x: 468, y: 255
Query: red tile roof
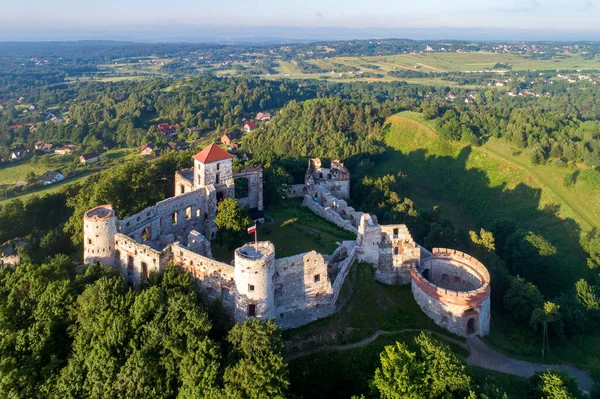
x: 212, y: 153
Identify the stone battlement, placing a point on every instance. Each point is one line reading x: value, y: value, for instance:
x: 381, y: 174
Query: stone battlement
x: 100, y: 212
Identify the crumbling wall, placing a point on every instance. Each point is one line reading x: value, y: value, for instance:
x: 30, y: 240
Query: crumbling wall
x: 344, y: 268
x: 176, y: 215
x: 295, y: 191
x: 303, y: 292
x: 184, y: 181
x: 135, y: 260
x: 335, y: 179
x: 398, y: 251
x: 255, y: 187
x: 216, y: 279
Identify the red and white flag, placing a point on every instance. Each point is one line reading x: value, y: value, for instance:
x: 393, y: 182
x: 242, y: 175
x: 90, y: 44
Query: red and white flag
x: 252, y: 229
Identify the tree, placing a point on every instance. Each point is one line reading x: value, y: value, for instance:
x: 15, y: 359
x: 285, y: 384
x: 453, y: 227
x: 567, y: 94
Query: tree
x: 485, y: 239
x: 549, y: 315
x: 432, y: 371
x: 257, y: 369
x: 232, y: 221
x: 522, y: 298
x: 586, y: 294
x: 554, y: 384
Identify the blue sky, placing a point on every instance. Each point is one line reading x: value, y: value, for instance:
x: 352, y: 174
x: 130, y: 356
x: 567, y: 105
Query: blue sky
x: 522, y: 14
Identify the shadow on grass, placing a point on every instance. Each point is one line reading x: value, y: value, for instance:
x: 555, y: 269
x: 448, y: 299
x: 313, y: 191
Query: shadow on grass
x: 449, y: 179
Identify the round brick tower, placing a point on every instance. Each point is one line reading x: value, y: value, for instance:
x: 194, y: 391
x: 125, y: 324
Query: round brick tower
x: 253, y: 274
x: 99, y: 229
x: 453, y: 289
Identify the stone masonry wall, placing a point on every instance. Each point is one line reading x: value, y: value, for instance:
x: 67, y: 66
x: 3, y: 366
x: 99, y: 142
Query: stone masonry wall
x: 296, y: 191
x: 303, y: 292
x: 216, y: 279
x: 176, y: 215
x: 135, y: 260
x: 460, y: 312
x: 255, y: 188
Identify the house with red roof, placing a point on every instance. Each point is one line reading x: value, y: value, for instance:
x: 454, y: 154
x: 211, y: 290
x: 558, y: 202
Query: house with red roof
x: 250, y: 126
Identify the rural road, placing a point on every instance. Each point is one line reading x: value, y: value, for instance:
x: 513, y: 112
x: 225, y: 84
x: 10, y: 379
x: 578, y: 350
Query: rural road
x: 480, y: 355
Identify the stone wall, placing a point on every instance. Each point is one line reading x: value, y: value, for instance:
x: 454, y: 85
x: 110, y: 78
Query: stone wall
x: 335, y: 179
x: 216, y: 279
x: 218, y: 172
x: 255, y: 187
x: 295, y: 190
x: 137, y: 261
x: 303, y: 292
x: 343, y: 268
x: 195, y: 210
x: 460, y: 312
x: 184, y: 181
x: 397, y: 251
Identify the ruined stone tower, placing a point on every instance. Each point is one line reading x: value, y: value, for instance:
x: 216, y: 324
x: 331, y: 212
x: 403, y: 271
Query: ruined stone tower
x: 369, y: 238
x: 99, y: 229
x: 254, y: 273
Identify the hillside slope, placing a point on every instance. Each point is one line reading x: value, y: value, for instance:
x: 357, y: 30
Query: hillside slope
x: 474, y: 186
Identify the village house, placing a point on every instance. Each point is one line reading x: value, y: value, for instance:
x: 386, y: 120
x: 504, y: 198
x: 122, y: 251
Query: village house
x: 67, y: 149
x: 168, y: 130
x: 147, y: 150
x: 228, y: 138
x: 178, y: 145
x: 51, y: 177
x: 89, y: 158
x: 20, y: 154
x: 196, y: 129
x: 263, y: 116
x: 46, y: 147
x: 250, y: 126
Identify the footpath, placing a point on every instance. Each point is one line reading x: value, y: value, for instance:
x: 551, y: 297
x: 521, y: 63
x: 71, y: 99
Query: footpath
x: 480, y: 355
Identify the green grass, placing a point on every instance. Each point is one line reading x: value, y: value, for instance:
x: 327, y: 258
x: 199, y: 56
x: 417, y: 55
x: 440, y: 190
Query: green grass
x: 294, y: 230
x: 526, y: 344
x: 10, y: 174
x: 476, y: 186
x: 341, y: 374
x: 81, y: 177
x: 368, y: 306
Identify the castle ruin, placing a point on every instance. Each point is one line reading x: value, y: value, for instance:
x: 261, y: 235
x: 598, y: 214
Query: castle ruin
x: 451, y: 288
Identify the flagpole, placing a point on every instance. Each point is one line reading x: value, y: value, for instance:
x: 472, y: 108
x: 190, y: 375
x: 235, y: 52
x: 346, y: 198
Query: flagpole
x: 255, y: 236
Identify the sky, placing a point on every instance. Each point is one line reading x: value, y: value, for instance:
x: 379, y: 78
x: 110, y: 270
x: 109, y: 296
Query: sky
x: 554, y: 15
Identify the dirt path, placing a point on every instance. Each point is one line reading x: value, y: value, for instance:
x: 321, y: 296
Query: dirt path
x: 480, y: 354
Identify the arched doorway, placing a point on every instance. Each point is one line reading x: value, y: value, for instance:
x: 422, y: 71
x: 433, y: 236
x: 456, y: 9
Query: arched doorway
x: 425, y: 274
x: 147, y: 234
x: 471, y: 326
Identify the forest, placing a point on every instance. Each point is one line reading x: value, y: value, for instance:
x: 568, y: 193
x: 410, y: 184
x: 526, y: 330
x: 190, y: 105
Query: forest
x: 71, y: 330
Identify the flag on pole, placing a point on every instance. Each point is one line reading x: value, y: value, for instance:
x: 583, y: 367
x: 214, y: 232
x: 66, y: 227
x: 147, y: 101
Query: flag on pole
x: 252, y: 229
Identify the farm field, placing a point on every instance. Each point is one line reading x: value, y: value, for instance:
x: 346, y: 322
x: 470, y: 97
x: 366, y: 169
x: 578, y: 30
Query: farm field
x: 457, y: 62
